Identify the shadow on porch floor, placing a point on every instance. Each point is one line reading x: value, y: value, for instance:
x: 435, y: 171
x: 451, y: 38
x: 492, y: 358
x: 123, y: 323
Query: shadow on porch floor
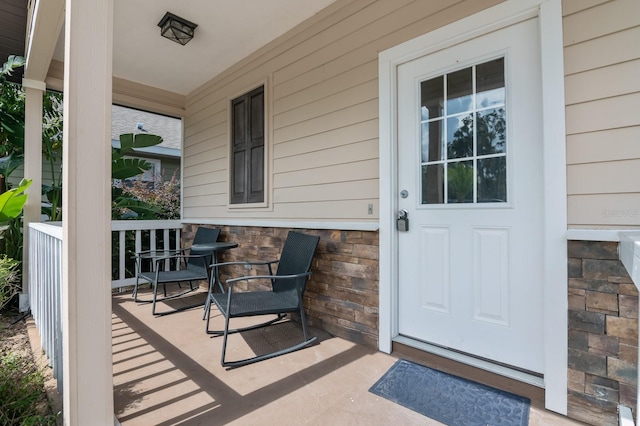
x: 167, y: 371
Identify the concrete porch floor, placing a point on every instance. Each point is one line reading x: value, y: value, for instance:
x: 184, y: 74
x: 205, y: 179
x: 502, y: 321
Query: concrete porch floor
x: 167, y: 371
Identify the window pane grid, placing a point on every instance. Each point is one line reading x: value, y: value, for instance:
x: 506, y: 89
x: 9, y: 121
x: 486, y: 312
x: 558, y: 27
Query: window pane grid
x: 463, y: 136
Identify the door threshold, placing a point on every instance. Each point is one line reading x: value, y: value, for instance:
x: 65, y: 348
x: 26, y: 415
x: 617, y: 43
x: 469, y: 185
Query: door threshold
x: 481, y: 364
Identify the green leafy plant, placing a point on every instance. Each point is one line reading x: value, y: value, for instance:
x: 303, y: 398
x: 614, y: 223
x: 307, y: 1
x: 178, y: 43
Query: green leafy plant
x: 21, y: 393
x: 11, y: 120
x: 9, y: 280
x: 125, y: 205
x: 12, y: 202
x: 164, y: 194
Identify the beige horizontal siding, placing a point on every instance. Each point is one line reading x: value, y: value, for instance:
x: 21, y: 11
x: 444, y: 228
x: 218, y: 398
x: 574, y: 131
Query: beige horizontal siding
x: 367, y: 169
x: 602, y: 64
x: 572, y: 6
x: 604, y: 178
x: 609, y: 113
x: 609, y: 18
x: 612, y: 81
x: 347, y: 135
x: 604, y: 210
x: 604, y: 146
x: 602, y: 52
x: 356, y: 190
x: 344, y: 154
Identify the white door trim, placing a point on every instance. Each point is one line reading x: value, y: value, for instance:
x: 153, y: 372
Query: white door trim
x: 549, y: 13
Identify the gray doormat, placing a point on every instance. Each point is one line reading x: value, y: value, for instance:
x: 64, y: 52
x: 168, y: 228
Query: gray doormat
x: 449, y: 399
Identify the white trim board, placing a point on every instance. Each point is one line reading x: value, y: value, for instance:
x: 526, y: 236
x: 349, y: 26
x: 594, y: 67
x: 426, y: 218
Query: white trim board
x: 298, y: 224
x: 549, y: 13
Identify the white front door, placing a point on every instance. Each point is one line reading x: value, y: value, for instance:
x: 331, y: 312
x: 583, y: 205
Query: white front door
x: 470, y: 177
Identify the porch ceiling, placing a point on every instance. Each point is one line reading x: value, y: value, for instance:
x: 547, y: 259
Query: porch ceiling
x: 227, y: 32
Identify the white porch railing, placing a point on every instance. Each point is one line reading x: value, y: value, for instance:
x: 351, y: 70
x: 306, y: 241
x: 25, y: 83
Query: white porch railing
x: 45, y: 272
x: 126, y: 229
x: 45, y: 290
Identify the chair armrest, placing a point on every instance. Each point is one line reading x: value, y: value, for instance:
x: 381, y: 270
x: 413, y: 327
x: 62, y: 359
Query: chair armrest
x: 232, y: 281
x: 159, y: 259
x: 269, y: 262
x: 139, y: 253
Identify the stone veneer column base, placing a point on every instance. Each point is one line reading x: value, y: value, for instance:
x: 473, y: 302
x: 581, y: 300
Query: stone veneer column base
x: 603, y: 334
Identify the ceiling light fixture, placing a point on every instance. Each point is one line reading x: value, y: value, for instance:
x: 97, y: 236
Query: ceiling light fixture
x: 176, y: 28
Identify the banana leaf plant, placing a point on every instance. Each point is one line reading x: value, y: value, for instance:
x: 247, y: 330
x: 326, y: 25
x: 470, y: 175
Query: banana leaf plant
x: 123, y: 204
x: 12, y: 202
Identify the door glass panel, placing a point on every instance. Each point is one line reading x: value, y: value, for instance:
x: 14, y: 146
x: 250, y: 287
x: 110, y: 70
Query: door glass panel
x: 490, y: 83
x: 460, y: 136
x: 491, y: 134
x: 492, y: 180
x: 460, y: 182
x: 459, y: 91
x: 432, y: 146
x: 472, y: 124
x: 432, y: 95
x: 433, y: 184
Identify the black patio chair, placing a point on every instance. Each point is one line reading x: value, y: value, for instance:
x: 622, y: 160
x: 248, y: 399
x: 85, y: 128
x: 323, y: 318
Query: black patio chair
x: 192, y: 268
x: 285, y: 296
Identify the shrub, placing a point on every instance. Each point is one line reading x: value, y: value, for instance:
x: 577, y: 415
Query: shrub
x: 9, y: 279
x: 21, y: 393
x: 163, y: 194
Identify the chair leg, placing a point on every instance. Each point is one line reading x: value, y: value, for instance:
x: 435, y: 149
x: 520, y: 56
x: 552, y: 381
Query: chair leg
x: 224, y: 340
x: 233, y: 364
x: 238, y: 330
x: 155, y: 296
x: 135, y: 289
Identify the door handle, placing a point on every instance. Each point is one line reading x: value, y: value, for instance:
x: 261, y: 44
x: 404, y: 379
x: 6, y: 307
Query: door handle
x: 402, y: 223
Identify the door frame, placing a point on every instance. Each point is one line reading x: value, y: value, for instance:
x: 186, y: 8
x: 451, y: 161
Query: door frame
x: 555, y: 303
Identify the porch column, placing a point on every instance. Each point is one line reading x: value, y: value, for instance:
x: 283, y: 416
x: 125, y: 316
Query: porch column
x: 86, y: 247
x: 33, y: 91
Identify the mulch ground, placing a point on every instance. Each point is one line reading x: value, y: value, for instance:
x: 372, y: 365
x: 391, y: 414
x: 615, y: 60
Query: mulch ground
x: 14, y: 338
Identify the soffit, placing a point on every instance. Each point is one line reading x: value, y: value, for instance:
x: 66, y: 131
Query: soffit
x: 228, y: 31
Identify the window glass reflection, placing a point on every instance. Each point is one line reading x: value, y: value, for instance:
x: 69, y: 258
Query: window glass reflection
x: 490, y: 83
x: 491, y: 133
x: 432, y: 97
x: 459, y: 91
x: 431, y: 146
x: 433, y: 184
x: 460, y: 182
x: 492, y: 180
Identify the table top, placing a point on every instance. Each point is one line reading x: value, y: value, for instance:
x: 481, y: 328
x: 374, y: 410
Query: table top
x: 153, y: 254
x: 215, y: 246
x: 206, y: 247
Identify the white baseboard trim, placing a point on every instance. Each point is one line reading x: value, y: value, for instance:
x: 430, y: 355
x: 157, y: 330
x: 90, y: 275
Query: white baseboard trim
x: 474, y: 362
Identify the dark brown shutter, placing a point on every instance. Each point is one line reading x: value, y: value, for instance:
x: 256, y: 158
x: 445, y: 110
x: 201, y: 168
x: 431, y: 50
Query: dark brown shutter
x: 247, y: 164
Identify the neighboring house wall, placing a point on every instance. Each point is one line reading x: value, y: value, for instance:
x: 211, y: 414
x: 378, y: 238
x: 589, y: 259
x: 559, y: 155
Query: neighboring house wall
x: 127, y: 120
x: 321, y: 89
x: 602, y: 65
x: 49, y: 171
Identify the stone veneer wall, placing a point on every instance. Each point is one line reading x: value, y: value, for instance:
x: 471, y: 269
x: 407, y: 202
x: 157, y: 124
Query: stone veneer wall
x: 603, y: 333
x: 342, y: 295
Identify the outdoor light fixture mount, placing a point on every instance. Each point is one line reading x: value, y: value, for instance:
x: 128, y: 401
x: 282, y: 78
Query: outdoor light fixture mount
x: 176, y: 28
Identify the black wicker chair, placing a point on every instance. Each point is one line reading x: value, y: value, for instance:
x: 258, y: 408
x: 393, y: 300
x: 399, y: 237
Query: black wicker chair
x: 193, y: 268
x: 287, y: 288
